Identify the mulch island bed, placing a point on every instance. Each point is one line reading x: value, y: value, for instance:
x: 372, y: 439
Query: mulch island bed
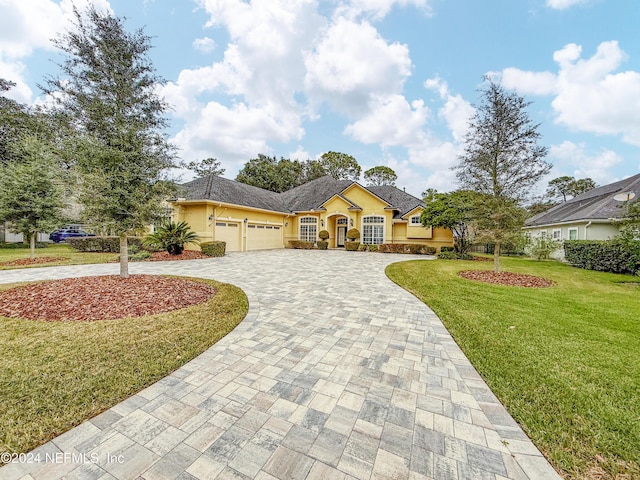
x: 102, y: 298
x: 506, y: 278
x: 31, y: 261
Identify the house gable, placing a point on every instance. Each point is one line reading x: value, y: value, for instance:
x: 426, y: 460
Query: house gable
x: 363, y: 197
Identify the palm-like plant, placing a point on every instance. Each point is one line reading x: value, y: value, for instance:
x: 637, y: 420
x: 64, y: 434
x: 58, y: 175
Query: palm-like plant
x: 172, y: 237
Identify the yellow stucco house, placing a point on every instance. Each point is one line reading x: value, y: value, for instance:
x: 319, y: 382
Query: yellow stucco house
x: 251, y: 218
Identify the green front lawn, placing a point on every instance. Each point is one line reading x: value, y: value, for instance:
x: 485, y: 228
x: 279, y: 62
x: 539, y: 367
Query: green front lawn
x: 565, y: 360
x: 57, y: 374
x: 68, y: 255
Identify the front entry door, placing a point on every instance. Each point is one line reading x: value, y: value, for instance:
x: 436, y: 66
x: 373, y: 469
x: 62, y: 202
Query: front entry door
x: 342, y: 234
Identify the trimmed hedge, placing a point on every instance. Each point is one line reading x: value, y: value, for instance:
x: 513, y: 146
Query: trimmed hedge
x: 413, y: 248
x: 353, y: 234
x: 604, y: 255
x: 299, y: 244
x: 214, y: 249
x: 451, y: 255
x: 351, y: 246
x: 322, y: 245
x: 4, y: 245
x: 105, y: 244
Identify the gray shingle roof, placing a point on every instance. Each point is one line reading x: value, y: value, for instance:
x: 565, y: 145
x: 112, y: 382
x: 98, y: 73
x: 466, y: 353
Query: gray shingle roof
x: 397, y: 198
x: 313, y: 194
x: 309, y: 196
x: 228, y: 191
x: 596, y: 204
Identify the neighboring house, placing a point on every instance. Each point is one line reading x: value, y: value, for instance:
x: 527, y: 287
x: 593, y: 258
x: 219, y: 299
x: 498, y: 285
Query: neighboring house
x: 251, y: 218
x: 590, y: 216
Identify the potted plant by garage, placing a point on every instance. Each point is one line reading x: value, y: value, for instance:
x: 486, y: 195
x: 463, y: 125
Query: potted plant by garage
x: 322, y: 243
x: 352, y: 244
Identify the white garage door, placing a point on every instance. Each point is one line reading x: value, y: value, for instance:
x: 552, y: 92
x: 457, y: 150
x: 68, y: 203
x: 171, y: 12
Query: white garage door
x: 231, y: 233
x: 263, y: 237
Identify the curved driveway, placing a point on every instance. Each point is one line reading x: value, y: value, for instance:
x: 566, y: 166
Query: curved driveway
x: 336, y: 373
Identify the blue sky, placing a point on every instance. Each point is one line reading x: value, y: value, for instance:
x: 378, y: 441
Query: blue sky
x: 391, y: 82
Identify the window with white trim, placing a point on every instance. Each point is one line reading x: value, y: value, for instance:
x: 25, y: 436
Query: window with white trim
x: 342, y: 221
x: 573, y: 234
x: 557, y: 234
x: 373, y: 230
x: 308, y: 229
x: 415, y: 220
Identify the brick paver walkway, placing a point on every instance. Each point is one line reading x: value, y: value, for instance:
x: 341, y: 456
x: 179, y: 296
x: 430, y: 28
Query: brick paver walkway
x: 336, y: 373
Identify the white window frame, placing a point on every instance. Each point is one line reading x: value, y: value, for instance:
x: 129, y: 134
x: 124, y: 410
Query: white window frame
x: 373, y: 231
x: 556, y: 231
x: 412, y: 220
x: 574, y: 229
x: 308, y: 229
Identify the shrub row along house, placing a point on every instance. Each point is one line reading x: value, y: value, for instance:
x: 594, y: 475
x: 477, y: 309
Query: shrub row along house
x: 594, y: 215
x: 251, y: 218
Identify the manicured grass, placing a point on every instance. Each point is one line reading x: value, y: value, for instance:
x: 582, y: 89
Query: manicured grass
x: 56, y: 375
x: 70, y: 256
x: 565, y: 360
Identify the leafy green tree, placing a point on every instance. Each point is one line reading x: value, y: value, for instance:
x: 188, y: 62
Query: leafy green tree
x: 565, y: 186
x: 455, y: 211
x: 340, y: 166
x: 503, y: 161
x: 271, y: 174
x: 206, y: 167
x: 108, y: 91
x: 172, y: 237
x: 380, y: 175
x: 311, y: 170
x: 429, y: 195
x: 31, y: 189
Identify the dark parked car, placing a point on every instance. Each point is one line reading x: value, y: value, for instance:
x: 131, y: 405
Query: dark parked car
x: 62, y: 234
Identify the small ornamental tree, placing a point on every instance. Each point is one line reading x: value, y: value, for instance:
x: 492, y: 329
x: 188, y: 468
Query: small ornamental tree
x: 31, y: 191
x: 172, y: 237
x: 353, y: 234
x: 455, y: 211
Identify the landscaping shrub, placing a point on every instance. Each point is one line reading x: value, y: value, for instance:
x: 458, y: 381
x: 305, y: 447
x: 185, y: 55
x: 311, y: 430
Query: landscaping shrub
x: 299, y: 244
x: 414, y: 248
x: 106, y: 244
x: 363, y: 247
x: 21, y: 245
x: 172, y: 237
x: 323, y: 235
x: 604, y: 255
x: 322, y: 245
x: 214, y: 249
x: 541, y: 248
x: 353, y: 234
x: 447, y: 249
x: 351, y: 246
x: 374, y: 248
x: 140, y: 255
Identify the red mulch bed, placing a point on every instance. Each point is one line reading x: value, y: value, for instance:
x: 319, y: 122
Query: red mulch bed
x: 506, y: 278
x: 478, y: 258
x: 102, y: 298
x: 31, y: 261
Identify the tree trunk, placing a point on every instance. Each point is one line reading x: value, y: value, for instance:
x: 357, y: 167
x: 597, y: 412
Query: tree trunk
x: 124, y: 256
x: 32, y: 245
x: 496, y: 257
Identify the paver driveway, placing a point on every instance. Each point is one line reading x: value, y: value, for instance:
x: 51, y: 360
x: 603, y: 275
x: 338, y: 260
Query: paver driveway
x: 336, y: 373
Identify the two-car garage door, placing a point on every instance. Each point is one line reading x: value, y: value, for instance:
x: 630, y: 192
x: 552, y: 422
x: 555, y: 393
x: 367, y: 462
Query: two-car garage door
x: 259, y: 236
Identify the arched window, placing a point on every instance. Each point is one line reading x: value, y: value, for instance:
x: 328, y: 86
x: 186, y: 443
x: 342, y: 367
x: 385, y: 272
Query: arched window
x: 373, y: 230
x: 308, y: 229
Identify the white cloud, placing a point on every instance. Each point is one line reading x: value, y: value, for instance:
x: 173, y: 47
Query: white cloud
x: 351, y: 64
x: 377, y: 9
x: 390, y: 122
x: 204, y: 45
x: 562, y: 4
x: 589, y: 95
x: 574, y: 158
x: 26, y: 26
x: 456, y: 112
